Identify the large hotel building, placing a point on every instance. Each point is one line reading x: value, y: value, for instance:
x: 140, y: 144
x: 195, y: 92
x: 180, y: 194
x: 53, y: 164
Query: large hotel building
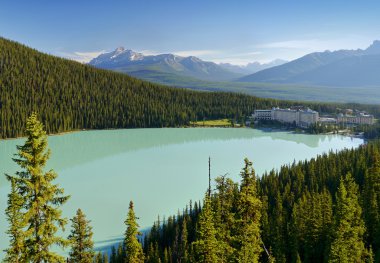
x: 301, y: 117
x: 305, y: 117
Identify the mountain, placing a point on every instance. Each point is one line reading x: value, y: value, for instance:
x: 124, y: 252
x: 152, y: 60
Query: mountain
x: 339, y: 68
x: 127, y: 61
x: 253, y: 67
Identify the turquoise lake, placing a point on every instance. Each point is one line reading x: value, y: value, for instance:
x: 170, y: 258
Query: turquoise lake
x: 159, y: 169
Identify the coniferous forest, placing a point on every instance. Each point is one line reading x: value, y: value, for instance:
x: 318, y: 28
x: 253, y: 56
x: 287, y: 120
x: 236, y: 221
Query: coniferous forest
x: 70, y: 96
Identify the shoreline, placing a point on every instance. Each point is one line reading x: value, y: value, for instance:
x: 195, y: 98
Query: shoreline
x: 265, y: 129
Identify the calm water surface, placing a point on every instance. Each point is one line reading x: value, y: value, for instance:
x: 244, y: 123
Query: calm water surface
x: 159, y: 169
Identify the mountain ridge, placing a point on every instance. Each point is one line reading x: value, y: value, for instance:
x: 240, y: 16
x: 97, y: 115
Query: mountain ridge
x: 126, y: 61
x: 319, y: 68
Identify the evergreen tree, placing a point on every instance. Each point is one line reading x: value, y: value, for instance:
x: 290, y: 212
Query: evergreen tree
x: 41, y: 198
x: 15, y: 219
x: 206, y: 246
x: 371, y: 203
x: 249, y: 215
x: 224, y: 215
x: 82, y: 246
x: 134, y: 252
x: 348, y: 245
x: 183, y: 244
x: 98, y: 258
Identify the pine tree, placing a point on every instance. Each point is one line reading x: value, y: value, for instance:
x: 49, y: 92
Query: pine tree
x: 98, y: 258
x: 224, y: 216
x: 166, y: 256
x: 249, y: 215
x: 371, y: 203
x: 15, y: 219
x: 347, y: 245
x: 183, y: 243
x: 206, y: 246
x: 105, y: 258
x: 134, y: 252
x: 41, y: 198
x: 82, y: 246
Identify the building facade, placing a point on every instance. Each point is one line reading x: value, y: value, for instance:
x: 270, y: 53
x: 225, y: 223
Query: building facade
x: 262, y: 115
x: 358, y: 119
x: 300, y: 117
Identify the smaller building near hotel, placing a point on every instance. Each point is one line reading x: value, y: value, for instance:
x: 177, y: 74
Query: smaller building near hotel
x: 360, y: 118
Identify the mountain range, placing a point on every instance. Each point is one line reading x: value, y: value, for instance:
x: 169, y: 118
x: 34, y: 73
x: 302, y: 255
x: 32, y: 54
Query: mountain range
x: 134, y: 63
x: 341, y: 68
x: 170, y: 66
x: 354, y: 68
x: 253, y: 67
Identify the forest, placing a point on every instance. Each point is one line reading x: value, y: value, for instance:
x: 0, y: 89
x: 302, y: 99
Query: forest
x: 71, y: 96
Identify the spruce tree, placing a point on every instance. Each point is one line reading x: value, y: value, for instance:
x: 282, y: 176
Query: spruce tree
x: 41, y: 197
x: 224, y: 216
x: 15, y: 219
x: 249, y: 215
x: 371, y: 203
x: 134, y: 251
x: 206, y: 246
x: 183, y: 244
x: 347, y: 245
x: 82, y: 246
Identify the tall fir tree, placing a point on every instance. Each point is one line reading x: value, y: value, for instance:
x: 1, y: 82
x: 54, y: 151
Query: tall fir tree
x: 82, y: 246
x: 134, y: 251
x: 249, y: 216
x: 41, y: 197
x: 224, y: 220
x: 347, y: 244
x: 14, y: 215
x: 206, y: 247
x: 371, y: 203
x: 184, y: 258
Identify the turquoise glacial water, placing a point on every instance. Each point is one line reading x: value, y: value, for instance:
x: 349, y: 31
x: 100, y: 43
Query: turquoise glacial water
x: 159, y: 169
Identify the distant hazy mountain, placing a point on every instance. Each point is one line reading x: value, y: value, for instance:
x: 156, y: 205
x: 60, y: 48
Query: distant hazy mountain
x: 251, y: 68
x: 338, y: 68
x: 128, y: 61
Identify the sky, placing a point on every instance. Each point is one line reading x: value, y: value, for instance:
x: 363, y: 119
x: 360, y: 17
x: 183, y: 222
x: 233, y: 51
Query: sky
x: 224, y: 31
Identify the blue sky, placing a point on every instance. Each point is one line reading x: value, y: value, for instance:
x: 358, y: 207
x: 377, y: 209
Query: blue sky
x: 222, y: 31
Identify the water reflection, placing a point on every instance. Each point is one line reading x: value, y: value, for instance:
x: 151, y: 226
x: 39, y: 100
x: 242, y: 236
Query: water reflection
x: 81, y: 147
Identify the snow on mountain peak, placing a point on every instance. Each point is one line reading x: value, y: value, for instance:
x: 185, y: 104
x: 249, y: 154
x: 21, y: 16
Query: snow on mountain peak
x: 119, y: 49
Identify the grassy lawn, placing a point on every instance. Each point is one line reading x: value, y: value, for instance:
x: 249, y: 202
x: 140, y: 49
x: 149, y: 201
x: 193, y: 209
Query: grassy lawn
x: 212, y: 123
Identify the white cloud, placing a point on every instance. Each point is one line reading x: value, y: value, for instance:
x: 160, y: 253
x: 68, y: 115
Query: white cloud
x: 148, y: 52
x: 240, y: 59
x: 187, y: 53
x: 290, y: 44
x: 316, y: 44
x: 82, y: 57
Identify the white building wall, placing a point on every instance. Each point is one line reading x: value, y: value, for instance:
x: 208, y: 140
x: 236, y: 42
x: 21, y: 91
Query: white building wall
x: 300, y: 118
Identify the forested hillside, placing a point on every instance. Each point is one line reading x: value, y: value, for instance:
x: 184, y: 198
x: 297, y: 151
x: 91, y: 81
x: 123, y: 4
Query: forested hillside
x: 71, y: 96
x: 322, y: 210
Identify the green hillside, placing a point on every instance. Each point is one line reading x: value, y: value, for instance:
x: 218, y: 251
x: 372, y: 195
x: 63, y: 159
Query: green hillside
x: 72, y: 96
x: 358, y: 93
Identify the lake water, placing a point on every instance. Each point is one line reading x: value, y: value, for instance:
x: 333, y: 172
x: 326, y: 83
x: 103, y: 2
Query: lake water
x: 159, y: 169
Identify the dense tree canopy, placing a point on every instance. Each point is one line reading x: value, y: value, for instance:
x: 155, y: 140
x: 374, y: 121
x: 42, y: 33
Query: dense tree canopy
x: 71, y: 96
